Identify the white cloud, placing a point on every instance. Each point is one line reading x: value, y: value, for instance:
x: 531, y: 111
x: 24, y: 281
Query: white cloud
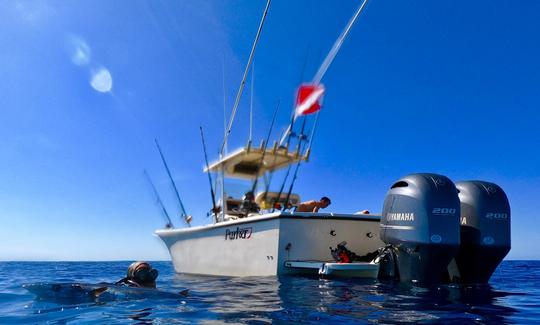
x: 101, y: 80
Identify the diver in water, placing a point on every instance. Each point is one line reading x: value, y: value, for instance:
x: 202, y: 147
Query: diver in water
x: 140, y: 283
x: 140, y: 275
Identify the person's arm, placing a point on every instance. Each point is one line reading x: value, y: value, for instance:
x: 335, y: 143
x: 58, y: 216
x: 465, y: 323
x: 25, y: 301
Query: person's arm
x: 316, y: 208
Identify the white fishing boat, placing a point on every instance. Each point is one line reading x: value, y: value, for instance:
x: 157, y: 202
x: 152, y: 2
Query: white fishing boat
x: 430, y: 230
x: 266, y: 240
x: 265, y: 243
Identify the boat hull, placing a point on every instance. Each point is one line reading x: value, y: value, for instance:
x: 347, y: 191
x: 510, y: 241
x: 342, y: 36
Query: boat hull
x: 260, y: 245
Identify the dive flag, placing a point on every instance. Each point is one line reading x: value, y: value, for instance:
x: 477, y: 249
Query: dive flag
x: 308, y: 99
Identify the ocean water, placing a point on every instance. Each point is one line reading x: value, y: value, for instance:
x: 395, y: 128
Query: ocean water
x: 513, y: 297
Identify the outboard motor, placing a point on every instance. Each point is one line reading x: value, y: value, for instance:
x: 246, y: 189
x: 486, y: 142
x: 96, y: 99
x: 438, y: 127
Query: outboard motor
x: 420, y: 225
x: 485, y: 231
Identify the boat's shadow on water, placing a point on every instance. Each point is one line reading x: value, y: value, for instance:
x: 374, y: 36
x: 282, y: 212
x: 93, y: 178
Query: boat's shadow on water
x: 313, y: 299
x: 390, y: 302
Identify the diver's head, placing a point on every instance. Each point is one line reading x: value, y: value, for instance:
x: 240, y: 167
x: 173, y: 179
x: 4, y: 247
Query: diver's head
x: 142, y: 274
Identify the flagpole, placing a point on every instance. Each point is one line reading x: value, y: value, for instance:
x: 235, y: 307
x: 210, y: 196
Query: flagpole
x: 330, y: 58
x: 317, y: 80
x: 337, y: 45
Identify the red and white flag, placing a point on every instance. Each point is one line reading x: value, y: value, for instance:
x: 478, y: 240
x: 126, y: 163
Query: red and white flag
x: 308, y: 99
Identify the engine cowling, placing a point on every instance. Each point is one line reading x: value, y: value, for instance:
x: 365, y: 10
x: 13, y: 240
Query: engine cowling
x: 485, y: 231
x: 420, y: 224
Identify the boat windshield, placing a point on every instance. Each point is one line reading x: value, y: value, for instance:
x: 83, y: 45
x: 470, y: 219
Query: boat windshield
x: 236, y: 188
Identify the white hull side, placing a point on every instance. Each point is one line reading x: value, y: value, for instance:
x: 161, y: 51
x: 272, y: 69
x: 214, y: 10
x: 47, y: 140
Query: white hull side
x: 206, y: 250
x: 311, y: 237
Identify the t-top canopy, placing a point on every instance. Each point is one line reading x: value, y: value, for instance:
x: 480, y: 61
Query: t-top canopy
x: 251, y: 162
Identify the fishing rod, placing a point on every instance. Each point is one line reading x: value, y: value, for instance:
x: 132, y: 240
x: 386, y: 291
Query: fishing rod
x: 209, y: 176
x: 184, y: 215
x: 289, y: 132
x: 271, y: 175
x: 299, y: 161
x: 269, y: 179
x: 308, y: 150
x: 290, y: 188
x: 287, y: 198
x: 266, y: 145
x: 158, y: 200
x: 282, y: 187
x: 300, y: 138
x: 241, y: 88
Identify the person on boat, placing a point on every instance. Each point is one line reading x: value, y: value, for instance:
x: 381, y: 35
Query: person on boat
x: 314, y: 206
x: 248, y: 203
x: 141, y: 275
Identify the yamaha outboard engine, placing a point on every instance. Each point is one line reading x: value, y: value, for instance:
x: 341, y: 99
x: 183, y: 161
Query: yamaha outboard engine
x: 420, y: 225
x: 485, y: 231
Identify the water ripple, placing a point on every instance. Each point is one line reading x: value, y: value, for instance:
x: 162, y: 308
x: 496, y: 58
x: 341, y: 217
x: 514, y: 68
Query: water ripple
x: 513, y: 296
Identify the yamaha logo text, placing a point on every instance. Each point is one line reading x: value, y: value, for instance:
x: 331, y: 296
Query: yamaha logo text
x: 400, y: 216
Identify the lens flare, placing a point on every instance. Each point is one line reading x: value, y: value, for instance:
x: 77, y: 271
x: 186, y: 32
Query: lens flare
x: 101, y: 80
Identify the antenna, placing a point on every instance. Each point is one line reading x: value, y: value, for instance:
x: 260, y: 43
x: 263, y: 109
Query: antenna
x: 241, y: 88
x: 224, y: 102
x: 251, y: 105
x: 187, y: 218
x: 209, y: 176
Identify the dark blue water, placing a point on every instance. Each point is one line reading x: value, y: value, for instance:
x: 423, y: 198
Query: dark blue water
x: 512, y: 297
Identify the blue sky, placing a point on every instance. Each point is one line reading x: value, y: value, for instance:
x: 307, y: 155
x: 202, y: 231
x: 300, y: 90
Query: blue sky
x: 449, y: 87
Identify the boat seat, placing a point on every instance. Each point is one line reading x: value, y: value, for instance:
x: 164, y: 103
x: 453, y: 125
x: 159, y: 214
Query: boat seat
x: 234, y: 209
x: 266, y: 200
